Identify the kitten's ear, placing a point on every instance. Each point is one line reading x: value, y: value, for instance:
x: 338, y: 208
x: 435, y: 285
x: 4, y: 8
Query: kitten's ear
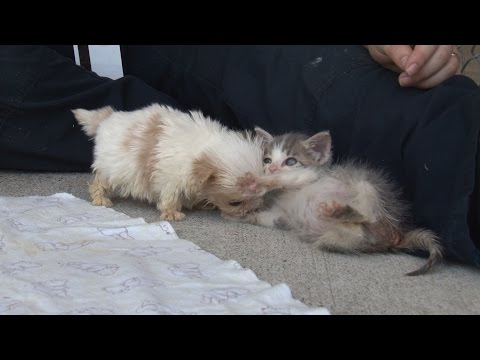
x: 264, y: 135
x: 320, y: 146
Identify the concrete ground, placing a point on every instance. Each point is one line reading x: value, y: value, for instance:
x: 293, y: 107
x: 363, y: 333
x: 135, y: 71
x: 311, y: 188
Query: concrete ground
x: 345, y: 284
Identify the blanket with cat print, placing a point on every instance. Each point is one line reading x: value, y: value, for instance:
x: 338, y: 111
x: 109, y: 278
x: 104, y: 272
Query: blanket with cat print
x: 61, y: 255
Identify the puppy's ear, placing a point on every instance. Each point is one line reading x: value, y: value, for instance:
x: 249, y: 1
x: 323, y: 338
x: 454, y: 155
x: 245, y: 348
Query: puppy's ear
x: 203, y: 169
x: 264, y: 135
x: 320, y: 145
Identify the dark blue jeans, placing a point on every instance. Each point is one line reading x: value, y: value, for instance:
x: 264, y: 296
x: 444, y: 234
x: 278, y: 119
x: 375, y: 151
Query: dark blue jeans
x: 427, y: 140
x: 38, y: 89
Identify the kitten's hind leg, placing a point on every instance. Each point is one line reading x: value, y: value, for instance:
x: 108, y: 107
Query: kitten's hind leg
x: 348, y: 239
x: 387, y: 234
x: 99, y: 192
x: 271, y: 218
x: 263, y: 218
x: 344, y: 213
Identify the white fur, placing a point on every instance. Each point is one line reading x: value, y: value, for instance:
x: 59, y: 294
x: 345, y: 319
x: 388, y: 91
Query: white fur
x: 278, y: 157
x: 350, y: 207
x: 300, y: 207
x: 182, y: 139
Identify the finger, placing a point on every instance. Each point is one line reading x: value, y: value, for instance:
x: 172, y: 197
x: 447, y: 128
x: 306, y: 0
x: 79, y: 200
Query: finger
x: 392, y: 67
x: 447, y: 71
x: 444, y: 73
x: 422, y: 54
x: 441, y: 58
x: 399, y: 54
x: 438, y: 60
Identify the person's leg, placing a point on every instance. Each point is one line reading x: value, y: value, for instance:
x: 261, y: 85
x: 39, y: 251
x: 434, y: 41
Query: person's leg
x: 474, y: 212
x: 38, y: 89
x: 242, y: 86
x: 427, y: 140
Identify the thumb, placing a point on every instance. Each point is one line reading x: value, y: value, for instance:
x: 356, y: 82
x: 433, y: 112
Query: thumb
x: 398, y: 54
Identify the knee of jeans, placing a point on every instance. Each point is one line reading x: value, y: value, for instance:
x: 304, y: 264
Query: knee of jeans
x: 327, y: 64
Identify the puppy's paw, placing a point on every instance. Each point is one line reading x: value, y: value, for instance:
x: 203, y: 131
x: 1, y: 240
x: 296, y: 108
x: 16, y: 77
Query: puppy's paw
x: 172, y: 215
x: 102, y: 201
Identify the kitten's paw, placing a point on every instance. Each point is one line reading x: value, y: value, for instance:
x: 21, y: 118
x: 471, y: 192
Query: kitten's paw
x: 257, y: 185
x: 334, y: 210
x: 281, y: 223
x: 102, y: 201
x: 330, y: 209
x: 172, y: 215
x: 248, y: 183
x: 229, y: 217
x: 386, y: 233
x: 243, y: 219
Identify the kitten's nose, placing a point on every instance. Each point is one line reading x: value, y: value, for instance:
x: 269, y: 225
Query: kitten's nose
x: 272, y: 168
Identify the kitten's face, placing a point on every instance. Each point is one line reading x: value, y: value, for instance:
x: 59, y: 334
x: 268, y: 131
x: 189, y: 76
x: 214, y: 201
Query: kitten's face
x: 282, y: 155
x: 290, y: 151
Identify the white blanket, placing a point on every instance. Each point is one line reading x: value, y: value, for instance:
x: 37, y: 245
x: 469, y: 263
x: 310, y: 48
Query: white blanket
x: 61, y: 255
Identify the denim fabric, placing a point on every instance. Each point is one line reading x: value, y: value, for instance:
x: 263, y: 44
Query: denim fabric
x: 38, y: 89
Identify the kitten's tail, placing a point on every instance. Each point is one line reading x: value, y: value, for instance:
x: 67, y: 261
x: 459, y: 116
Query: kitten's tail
x: 425, y: 240
x: 90, y: 119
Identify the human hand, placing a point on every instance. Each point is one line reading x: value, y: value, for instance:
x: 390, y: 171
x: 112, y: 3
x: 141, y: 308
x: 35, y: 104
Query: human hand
x: 420, y: 66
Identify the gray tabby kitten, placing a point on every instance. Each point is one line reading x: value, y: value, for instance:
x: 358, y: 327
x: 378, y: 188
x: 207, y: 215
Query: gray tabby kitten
x: 349, y: 208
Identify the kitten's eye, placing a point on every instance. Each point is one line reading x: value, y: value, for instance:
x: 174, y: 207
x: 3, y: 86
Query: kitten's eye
x: 267, y: 160
x: 235, y: 203
x: 291, y: 161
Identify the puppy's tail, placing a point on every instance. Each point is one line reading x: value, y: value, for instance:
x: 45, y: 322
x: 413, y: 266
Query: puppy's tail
x: 424, y: 240
x: 90, y: 119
